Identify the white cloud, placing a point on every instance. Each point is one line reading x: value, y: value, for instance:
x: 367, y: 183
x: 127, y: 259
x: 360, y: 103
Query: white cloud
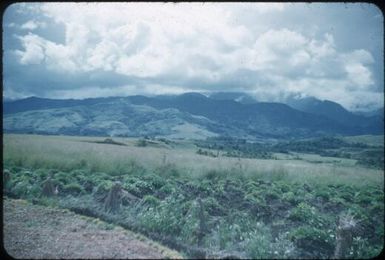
x: 38, y: 50
x: 203, y: 43
x: 33, y: 50
x: 32, y: 25
x: 95, y: 91
x: 149, y: 38
x: 360, y: 56
x: 322, y: 49
x: 359, y: 75
x: 258, y: 8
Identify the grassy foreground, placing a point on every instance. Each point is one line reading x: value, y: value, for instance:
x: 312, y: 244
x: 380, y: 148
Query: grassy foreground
x: 205, y: 206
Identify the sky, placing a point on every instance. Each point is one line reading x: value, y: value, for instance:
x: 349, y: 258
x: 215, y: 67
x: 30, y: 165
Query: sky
x: 273, y: 51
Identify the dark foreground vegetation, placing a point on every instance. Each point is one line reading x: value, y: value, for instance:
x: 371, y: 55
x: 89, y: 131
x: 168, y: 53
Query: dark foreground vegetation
x: 223, y: 214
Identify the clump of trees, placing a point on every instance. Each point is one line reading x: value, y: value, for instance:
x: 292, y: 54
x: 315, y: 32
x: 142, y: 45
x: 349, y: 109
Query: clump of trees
x: 141, y: 143
x: 207, y: 153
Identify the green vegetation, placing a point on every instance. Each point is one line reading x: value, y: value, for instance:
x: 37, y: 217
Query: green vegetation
x: 240, y: 210
x: 142, y: 143
x: 233, y: 147
x: 364, y: 150
x: 207, y: 153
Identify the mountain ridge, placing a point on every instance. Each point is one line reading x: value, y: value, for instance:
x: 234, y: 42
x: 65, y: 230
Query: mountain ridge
x: 165, y: 116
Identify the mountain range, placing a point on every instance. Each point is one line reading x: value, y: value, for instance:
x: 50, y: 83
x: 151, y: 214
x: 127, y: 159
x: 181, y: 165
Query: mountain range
x: 189, y: 115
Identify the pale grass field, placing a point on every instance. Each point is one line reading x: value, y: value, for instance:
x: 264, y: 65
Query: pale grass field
x: 377, y: 140
x: 68, y: 152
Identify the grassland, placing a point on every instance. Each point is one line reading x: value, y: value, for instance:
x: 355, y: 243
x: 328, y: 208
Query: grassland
x: 286, y: 207
x: 68, y: 153
x: 377, y: 140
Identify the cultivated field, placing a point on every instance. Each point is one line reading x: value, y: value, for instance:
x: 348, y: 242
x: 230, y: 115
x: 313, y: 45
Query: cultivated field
x: 292, y: 206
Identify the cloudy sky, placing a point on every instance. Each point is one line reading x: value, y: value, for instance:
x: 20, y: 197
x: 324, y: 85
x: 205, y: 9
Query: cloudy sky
x: 270, y: 50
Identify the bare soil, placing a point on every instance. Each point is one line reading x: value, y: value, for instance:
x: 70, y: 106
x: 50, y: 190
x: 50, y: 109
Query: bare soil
x: 33, y: 231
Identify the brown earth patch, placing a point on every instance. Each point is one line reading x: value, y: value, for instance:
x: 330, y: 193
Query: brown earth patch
x: 33, y: 231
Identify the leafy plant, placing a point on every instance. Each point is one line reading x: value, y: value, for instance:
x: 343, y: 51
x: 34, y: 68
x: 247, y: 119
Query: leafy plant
x: 73, y: 188
x: 258, y: 242
x: 318, y: 242
x: 303, y: 212
x: 150, y: 201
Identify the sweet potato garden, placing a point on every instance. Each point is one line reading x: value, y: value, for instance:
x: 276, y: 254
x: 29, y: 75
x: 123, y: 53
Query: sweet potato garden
x: 204, y: 206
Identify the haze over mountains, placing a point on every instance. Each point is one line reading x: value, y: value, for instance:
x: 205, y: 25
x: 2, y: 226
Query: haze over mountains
x: 189, y: 115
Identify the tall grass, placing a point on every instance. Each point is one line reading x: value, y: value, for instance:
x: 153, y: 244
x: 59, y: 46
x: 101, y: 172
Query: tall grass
x: 68, y: 153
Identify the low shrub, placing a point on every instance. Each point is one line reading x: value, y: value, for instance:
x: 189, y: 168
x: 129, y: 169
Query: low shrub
x: 258, y: 242
x: 168, y: 188
x: 73, y: 188
x: 303, y: 212
x: 313, y: 241
x: 290, y: 197
x: 166, y: 218
x: 150, y: 201
x: 168, y: 170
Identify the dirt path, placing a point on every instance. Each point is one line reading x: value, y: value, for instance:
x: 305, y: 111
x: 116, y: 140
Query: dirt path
x: 32, y: 231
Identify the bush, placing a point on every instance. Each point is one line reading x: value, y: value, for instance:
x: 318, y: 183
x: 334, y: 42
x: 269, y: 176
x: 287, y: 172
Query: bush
x: 73, y: 188
x: 282, y: 247
x: 167, y: 189
x: 283, y: 186
x: 318, y: 243
x: 104, y: 186
x: 100, y: 191
x: 362, y: 249
x: 64, y: 178
x: 21, y: 188
x: 141, y: 143
x: 154, y: 180
x: 303, y: 212
x: 150, y: 201
x: 290, y: 197
x: 165, y: 219
x: 194, y: 224
x: 168, y: 170
x: 258, y: 242
x: 322, y: 193
x: 271, y: 194
x: 212, y: 206
x: 144, y: 188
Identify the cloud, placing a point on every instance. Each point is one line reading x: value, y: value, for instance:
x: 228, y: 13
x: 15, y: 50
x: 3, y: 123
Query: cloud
x: 56, y: 57
x: 32, y: 25
x: 171, y: 47
x: 33, y: 52
x: 96, y: 91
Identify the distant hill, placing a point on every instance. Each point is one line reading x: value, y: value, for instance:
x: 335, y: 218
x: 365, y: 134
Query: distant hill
x: 190, y: 115
x: 375, y: 112
x: 338, y: 113
x: 36, y: 103
x: 235, y: 96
